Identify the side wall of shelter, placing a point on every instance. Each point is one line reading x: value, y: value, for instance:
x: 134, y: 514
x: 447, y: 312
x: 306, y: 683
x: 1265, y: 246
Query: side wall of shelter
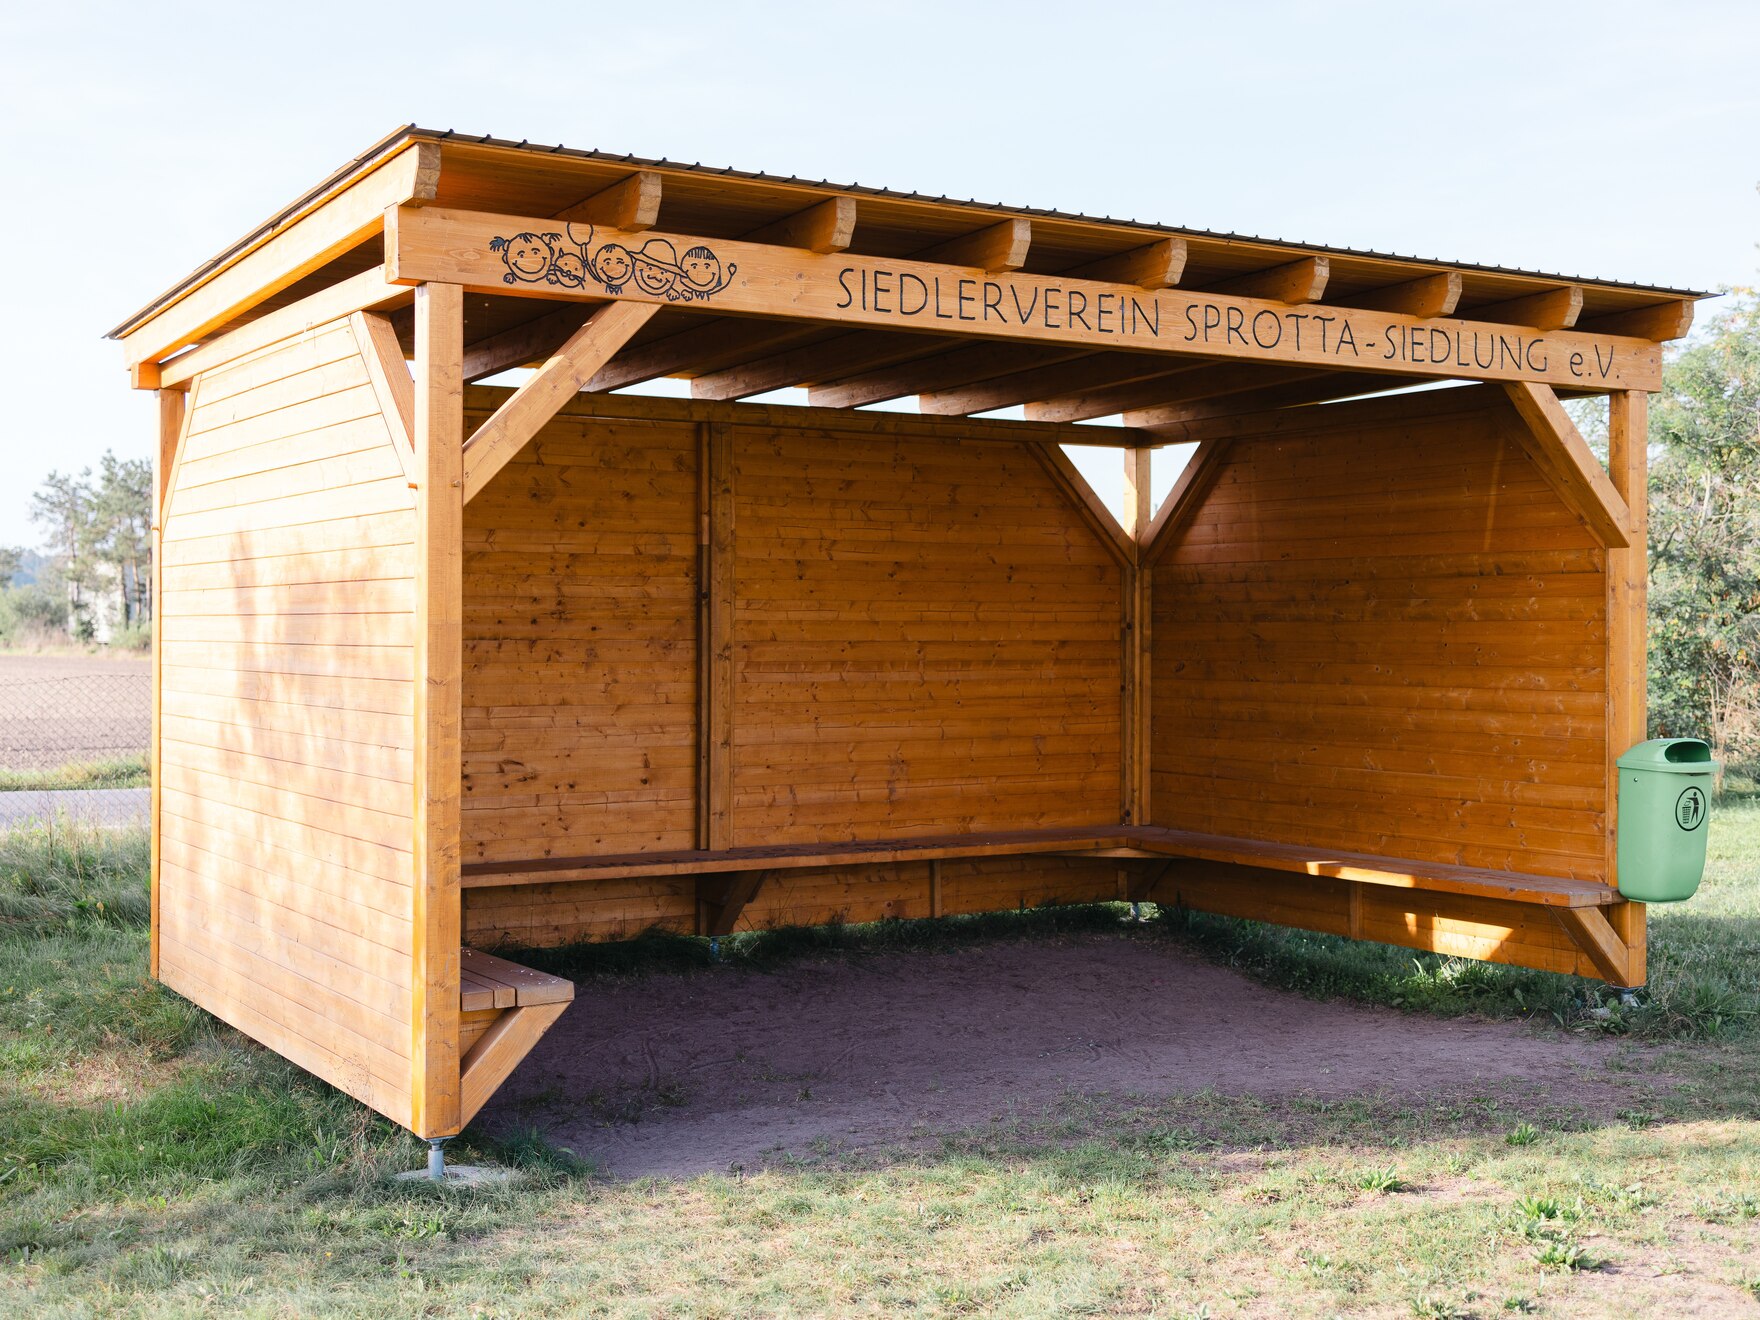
x: 1383, y: 631
x: 923, y: 638
x: 283, y: 900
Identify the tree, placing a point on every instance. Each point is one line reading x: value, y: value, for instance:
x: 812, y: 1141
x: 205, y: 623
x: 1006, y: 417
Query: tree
x: 99, y: 539
x: 122, y: 531
x: 1705, y: 539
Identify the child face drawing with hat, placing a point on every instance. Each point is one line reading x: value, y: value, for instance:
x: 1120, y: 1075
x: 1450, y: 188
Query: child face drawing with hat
x: 657, y: 271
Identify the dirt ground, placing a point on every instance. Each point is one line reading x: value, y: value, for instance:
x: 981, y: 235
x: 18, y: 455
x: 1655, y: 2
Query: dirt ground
x: 56, y: 709
x: 675, y: 1075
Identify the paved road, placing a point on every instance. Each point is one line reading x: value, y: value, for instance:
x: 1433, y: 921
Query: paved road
x: 112, y: 807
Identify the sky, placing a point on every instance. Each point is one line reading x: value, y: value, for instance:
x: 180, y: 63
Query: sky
x: 1607, y: 139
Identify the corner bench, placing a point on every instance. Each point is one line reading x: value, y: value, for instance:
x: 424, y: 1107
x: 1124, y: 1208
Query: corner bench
x: 728, y: 879
x: 504, y: 1009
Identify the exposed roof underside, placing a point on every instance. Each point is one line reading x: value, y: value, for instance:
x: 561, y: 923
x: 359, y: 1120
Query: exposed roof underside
x: 732, y: 357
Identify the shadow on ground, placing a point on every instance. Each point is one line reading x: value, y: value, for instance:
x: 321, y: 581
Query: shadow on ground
x: 676, y: 1075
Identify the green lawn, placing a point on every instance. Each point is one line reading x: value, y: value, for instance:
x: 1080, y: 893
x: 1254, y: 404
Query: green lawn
x: 152, y: 1163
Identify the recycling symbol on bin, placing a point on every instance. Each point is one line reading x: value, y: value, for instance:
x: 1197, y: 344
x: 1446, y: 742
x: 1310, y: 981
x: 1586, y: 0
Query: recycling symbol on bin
x: 1689, y: 808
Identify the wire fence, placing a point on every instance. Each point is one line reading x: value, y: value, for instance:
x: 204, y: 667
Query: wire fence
x: 73, y: 722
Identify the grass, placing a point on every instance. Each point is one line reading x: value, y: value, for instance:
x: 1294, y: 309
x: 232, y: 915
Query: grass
x: 153, y: 1163
x: 117, y: 772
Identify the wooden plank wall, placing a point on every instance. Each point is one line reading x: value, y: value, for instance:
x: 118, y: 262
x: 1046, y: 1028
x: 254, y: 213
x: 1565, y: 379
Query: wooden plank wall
x: 1386, y: 633
x: 285, y: 758
x: 924, y: 641
x: 580, y: 619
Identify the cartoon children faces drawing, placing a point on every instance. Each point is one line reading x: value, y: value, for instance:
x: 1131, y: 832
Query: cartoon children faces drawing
x: 655, y: 268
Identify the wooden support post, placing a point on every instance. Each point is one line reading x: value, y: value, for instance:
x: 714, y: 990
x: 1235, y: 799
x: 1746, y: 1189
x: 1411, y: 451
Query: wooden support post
x: 715, y: 550
x: 936, y: 907
x: 173, y: 418
x: 1134, y: 739
x: 439, y: 659
x: 1627, y: 672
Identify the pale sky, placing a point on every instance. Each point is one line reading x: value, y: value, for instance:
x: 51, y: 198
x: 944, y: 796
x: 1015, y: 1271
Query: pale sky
x: 1601, y: 139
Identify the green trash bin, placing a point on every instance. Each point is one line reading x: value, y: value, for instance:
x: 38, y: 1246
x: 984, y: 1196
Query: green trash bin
x: 1664, y: 797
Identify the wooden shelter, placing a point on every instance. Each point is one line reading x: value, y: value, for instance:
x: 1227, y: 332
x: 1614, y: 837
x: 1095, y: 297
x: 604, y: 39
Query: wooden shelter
x: 443, y: 668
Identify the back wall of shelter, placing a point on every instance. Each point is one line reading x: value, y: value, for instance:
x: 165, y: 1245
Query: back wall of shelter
x: 923, y: 638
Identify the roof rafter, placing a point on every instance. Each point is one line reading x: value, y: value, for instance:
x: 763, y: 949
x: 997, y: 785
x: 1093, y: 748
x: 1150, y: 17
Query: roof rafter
x: 826, y: 226
x: 1301, y: 281
x: 1426, y: 296
x: 1088, y: 372
x: 997, y: 247
x: 631, y: 204
x: 945, y: 369
x: 1166, y: 389
x: 1554, y: 309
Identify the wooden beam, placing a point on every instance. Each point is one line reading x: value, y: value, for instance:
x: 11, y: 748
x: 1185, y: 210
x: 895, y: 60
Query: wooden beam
x: 1553, y: 309
x: 631, y: 205
x: 720, y: 343
x: 175, y: 411
x: 530, y: 341
x: 367, y: 291
x: 999, y: 247
x: 1138, y: 512
x: 438, y: 674
x: 498, y: 1052
x: 343, y: 222
x: 1190, y: 488
x: 715, y: 685
x: 1628, y: 442
x: 1137, y: 602
x: 833, y: 421
x: 393, y: 384
x: 1165, y: 394
x: 1090, y: 372
x: 1075, y: 488
x: 515, y: 422
x: 1174, y: 423
x: 1426, y: 296
x: 944, y: 370
x: 1157, y: 265
x: 1296, y: 282
x: 172, y: 413
x: 850, y: 289
x: 799, y: 366
x: 1566, y: 461
x: 1669, y: 320
x: 1277, y: 419
x: 1592, y: 932
x: 722, y: 898
x: 827, y: 226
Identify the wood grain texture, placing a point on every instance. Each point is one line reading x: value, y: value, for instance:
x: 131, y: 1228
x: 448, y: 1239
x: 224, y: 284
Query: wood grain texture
x: 437, y: 661
x: 1387, y: 637
x: 282, y: 783
x: 1628, y: 437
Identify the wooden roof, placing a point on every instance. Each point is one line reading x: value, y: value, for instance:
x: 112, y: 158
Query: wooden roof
x: 730, y: 357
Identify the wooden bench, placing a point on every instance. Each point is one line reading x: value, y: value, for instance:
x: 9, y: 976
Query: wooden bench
x: 728, y: 880
x: 504, y: 1009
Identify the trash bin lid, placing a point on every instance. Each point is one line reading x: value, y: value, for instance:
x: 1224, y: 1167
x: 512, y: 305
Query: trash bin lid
x: 1678, y: 756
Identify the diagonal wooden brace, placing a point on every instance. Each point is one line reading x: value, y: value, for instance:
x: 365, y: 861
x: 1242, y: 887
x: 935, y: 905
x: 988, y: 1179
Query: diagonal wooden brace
x: 721, y: 899
x: 515, y: 422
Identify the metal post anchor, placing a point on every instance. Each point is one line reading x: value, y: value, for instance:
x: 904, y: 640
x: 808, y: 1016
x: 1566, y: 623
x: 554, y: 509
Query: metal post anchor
x: 437, y: 1158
